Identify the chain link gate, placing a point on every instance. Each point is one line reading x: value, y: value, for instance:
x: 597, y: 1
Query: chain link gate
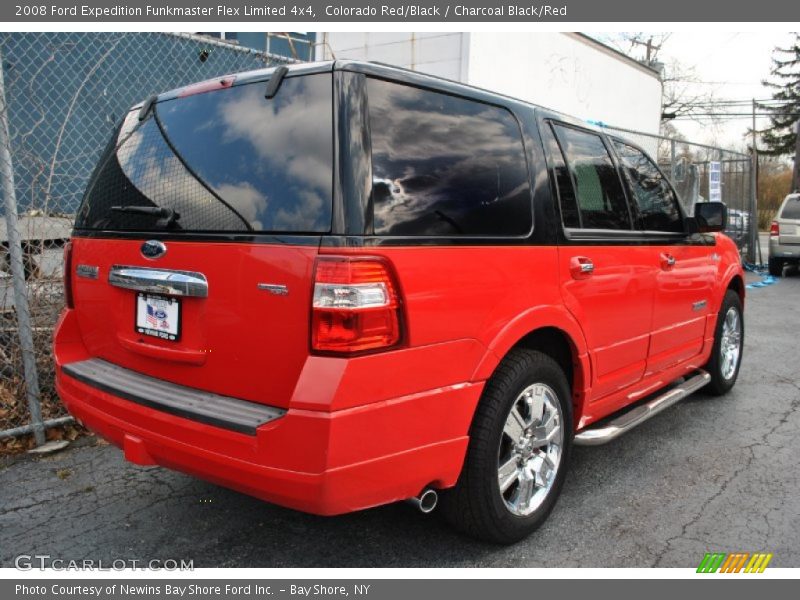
x: 61, y: 95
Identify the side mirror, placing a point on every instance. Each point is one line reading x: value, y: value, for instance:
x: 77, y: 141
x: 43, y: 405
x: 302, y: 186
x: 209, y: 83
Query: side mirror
x: 711, y: 216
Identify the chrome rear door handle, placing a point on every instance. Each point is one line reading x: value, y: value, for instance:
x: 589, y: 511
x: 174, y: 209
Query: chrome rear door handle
x: 581, y: 267
x: 159, y: 281
x: 667, y: 261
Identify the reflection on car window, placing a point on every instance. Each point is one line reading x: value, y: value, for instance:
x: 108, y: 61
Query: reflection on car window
x: 601, y: 201
x: 271, y: 160
x: 227, y: 160
x: 656, y: 202
x: 444, y: 165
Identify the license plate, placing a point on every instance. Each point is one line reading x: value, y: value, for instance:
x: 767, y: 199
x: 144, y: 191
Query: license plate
x: 158, y: 316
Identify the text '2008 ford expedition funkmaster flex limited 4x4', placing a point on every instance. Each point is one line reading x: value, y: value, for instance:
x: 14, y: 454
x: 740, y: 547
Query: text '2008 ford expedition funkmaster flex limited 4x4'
x: 338, y: 285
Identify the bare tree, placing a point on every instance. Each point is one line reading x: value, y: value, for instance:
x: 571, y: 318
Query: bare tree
x: 681, y: 96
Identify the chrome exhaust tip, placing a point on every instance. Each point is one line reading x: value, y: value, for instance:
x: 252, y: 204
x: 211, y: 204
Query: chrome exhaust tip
x: 426, y: 501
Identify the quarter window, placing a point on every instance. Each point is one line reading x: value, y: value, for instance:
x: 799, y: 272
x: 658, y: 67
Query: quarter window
x: 656, y: 203
x: 444, y: 165
x: 601, y: 202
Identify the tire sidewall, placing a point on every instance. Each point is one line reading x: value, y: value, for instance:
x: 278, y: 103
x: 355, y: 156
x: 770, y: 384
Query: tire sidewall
x: 731, y: 300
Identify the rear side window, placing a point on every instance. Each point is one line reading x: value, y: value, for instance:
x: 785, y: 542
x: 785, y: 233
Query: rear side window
x: 791, y: 210
x: 601, y: 202
x: 444, y: 165
x: 228, y: 160
x: 656, y: 203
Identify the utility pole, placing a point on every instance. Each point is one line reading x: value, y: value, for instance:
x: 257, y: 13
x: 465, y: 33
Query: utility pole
x: 753, y: 242
x: 796, y: 175
x: 651, y: 47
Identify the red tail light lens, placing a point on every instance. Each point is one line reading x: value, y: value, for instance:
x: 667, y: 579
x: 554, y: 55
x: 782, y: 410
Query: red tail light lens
x: 774, y: 229
x: 356, y: 305
x: 68, y: 275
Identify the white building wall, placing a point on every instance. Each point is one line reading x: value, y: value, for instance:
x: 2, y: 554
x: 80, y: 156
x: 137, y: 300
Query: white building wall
x: 562, y: 71
x: 569, y: 74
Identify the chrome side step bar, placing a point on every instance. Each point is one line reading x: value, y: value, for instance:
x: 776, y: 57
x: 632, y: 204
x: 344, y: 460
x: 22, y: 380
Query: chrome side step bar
x: 595, y: 436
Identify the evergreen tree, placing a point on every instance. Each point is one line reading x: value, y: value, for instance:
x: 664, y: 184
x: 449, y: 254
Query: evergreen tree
x: 781, y: 137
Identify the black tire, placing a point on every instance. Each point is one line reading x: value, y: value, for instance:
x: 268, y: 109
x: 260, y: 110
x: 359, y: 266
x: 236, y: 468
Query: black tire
x: 475, y: 505
x: 776, y: 267
x: 719, y: 384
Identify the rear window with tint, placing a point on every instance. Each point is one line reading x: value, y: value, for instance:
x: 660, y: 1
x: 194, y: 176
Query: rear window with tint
x: 444, y: 165
x: 222, y: 161
x: 791, y: 209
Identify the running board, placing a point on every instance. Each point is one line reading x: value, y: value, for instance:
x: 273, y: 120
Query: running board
x: 636, y: 416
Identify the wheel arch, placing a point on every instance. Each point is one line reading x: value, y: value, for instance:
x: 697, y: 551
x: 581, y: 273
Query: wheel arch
x: 736, y: 283
x: 554, y: 332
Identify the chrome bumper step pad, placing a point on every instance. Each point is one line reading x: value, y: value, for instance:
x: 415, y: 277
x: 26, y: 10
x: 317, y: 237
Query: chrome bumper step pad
x: 206, y: 407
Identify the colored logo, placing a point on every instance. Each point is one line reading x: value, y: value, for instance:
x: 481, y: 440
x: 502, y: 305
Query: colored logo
x: 153, y: 249
x: 154, y: 315
x: 738, y: 562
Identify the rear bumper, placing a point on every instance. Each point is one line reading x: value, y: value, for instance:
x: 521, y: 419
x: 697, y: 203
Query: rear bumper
x: 784, y: 251
x: 322, y: 462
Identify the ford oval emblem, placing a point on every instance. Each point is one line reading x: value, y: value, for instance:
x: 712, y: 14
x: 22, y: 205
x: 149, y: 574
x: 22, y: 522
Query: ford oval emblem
x: 153, y: 249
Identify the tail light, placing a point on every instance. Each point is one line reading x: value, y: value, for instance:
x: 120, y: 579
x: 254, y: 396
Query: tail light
x: 356, y: 306
x: 774, y: 229
x: 68, y: 275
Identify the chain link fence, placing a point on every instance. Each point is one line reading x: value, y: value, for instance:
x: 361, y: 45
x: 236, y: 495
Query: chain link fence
x: 688, y: 166
x: 61, y: 95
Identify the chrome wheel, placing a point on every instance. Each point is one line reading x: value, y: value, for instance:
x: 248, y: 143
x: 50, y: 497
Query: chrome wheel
x: 530, y: 449
x: 730, y: 343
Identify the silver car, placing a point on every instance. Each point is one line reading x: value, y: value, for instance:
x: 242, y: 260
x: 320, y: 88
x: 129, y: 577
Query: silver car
x: 784, y: 235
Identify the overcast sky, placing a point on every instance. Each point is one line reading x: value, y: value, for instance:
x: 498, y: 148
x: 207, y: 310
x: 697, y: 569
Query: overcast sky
x: 729, y: 65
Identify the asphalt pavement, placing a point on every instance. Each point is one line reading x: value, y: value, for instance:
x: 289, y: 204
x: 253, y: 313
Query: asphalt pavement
x: 709, y: 474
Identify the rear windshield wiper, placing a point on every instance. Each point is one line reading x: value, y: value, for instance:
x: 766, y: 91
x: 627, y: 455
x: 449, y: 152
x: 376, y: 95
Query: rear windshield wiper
x: 166, y: 216
x: 274, y: 83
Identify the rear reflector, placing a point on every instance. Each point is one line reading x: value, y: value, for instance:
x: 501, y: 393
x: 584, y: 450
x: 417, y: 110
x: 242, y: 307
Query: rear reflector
x: 356, y: 305
x: 774, y: 229
x: 68, y: 275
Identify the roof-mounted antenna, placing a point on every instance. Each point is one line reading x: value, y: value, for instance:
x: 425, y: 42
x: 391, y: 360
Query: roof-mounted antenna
x: 147, y: 107
x: 274, y: 83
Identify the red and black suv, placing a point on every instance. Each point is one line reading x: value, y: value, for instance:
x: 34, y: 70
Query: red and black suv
x: 338, y: 285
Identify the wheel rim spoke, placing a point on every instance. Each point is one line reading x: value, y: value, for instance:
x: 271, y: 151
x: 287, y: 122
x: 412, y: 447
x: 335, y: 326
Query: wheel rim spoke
x: 515, y: 424
x: 543, y: 469
x: 536, y: 405
x: 508, y: 474
x: 543, y: 436
x: 524, y: 492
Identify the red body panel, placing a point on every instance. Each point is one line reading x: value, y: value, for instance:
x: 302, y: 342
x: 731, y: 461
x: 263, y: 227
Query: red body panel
x: 684, y: 299
x: 615, y: 309
x: 372, y: 429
